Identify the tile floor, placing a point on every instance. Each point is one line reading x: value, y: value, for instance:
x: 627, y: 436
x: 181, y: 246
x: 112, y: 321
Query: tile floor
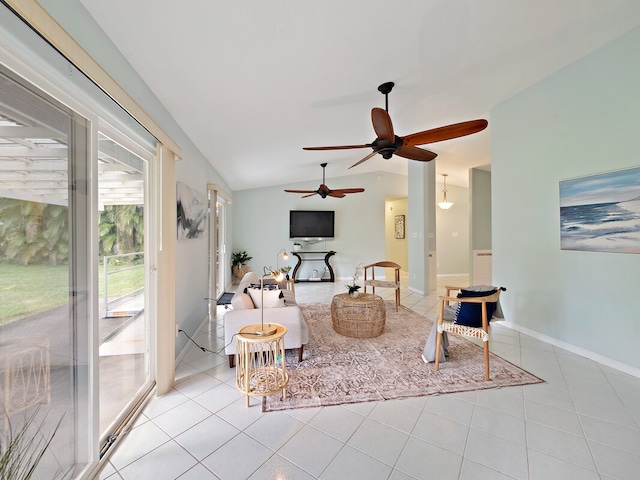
x: 583, y: 423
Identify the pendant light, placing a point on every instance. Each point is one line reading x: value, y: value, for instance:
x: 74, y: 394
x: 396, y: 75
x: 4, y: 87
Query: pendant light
x: 444, y: 204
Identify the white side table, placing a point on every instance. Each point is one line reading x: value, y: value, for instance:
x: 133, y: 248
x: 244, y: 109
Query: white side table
x: 260, y: 366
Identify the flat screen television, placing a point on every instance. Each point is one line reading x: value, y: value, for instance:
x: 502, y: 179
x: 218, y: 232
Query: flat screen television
x: 312, y: 224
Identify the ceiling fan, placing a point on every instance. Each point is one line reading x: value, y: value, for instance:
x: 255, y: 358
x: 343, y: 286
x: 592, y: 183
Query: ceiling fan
x: 325, y: 191
x: 387, y: 143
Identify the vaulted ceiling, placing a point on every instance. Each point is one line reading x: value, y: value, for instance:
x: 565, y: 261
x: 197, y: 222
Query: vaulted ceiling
x: 253, y: 82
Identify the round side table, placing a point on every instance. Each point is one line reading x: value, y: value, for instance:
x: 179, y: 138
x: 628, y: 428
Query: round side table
x: 360, y: 317
x: 260, y: 366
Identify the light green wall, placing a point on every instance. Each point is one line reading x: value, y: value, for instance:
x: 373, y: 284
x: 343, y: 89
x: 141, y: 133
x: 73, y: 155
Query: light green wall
x: 452, y: 231
x: 397, y: 249
x: 421, y: 224
x: 261, y: 221
x: 480, y: 210
x: 583, y: 120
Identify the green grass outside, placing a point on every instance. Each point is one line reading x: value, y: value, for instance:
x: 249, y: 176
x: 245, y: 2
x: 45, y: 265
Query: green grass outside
x: 29, y: 289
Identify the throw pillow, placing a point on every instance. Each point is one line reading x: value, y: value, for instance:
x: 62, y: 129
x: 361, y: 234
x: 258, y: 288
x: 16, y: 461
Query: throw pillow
x: 470, y: 314
x: 273, y: 298
x: 267, y: 286
x: 241, y: 301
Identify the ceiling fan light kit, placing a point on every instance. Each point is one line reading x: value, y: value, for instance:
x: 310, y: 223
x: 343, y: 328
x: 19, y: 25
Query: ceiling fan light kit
x: 387, y: 143
x: 444, y: 204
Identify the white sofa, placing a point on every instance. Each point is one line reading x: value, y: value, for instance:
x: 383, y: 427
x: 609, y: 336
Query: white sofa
x: 244, y: 312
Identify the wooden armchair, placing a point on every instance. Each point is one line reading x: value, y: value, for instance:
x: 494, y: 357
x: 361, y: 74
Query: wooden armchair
x: 370, y: 278
x: 477, y: 328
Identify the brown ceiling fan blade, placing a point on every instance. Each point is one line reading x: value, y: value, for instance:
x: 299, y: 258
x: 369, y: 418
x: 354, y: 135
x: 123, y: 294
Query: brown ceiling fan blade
x: 382, y: 124
x: 364, y: 159
x: 310, y: 195
x: 339, y: 147
x: 336, y: 194
x: 446, y: 133
x: 416, y: 153
x: 348, y: 190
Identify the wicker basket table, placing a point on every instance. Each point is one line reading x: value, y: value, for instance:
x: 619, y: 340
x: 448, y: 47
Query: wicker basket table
x: 360, y: 317
x: 261, y: 368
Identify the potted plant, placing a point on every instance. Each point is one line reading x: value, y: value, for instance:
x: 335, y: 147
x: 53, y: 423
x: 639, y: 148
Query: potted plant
x: 286, y: 270
x: 21, y: 450
x: 239, y: 263
x: 353, y: 287
x: 297, y: 246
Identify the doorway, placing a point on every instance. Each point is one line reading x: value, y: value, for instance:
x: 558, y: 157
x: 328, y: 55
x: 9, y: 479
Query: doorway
x: 219, y: 269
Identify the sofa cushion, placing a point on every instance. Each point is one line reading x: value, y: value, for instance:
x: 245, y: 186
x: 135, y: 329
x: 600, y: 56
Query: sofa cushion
x: 248, y: 279
x: 241, y: 301
x: 291, y: 317
x: 289, y: 297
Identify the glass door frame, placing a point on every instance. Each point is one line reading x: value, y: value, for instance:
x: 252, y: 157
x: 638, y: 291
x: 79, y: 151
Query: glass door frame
x: 150, y: 252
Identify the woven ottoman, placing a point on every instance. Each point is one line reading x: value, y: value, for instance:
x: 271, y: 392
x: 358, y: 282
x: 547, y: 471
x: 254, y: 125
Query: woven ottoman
x: 361, y: 317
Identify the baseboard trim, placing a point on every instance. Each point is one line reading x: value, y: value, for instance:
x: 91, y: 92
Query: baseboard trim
x: 583, y: 352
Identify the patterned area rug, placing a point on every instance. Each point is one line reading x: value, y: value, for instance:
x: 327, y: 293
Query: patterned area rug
x: 338, y: 370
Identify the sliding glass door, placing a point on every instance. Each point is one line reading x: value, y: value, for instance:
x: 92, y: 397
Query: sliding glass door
x: 45, y: 299
x: 123, y: 324
x: 75, y: 302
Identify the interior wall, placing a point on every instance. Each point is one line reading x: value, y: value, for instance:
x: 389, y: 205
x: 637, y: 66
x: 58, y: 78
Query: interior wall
x: 452, y: 231
x: 397, y: 249
x: 422, y: 226
x: 261, y: 222
x: 581, y: 121
x: 480, y: 209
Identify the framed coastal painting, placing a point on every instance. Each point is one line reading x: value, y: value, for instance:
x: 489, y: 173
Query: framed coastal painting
x: 192, y: 212
x: 601, y: 213
x: 399, y: 226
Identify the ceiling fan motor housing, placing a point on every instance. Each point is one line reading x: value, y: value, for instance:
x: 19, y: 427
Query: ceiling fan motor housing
x: 385, y: 147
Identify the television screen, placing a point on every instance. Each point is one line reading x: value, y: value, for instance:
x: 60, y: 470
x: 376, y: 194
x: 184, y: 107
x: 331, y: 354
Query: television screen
x: 311, y: 224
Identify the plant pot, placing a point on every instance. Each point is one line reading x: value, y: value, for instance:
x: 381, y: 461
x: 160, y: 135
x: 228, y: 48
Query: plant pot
x: 354, y: 294
x: 297, y: 248
x: 239, y: 271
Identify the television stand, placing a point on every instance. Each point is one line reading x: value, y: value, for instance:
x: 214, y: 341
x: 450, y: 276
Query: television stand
x: 313, y: 256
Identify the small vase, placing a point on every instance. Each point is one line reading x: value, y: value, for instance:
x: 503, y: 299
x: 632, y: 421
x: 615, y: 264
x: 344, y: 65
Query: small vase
x: 354, y: 294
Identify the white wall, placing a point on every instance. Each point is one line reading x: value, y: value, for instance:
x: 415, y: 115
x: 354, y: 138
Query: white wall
x: 583, y: 120
x: 261, y: 221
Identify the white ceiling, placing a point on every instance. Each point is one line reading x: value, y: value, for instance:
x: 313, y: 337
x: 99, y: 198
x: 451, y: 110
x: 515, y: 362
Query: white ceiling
x: 252, y: 82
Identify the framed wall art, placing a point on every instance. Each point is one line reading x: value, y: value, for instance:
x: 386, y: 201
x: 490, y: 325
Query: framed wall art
x: 192, y: 212
x: 601, y: 213
x: 399, y: 226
